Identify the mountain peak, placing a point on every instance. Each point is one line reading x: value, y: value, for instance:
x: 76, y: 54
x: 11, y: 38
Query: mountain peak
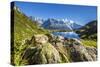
x: 63, y: 24
x: 52, y: 23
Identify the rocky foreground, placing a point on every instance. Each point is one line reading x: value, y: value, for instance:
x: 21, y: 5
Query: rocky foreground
x: 47, y: 49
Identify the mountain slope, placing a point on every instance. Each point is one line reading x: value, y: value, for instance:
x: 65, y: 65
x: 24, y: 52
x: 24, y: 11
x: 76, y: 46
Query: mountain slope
x: 75, y: 26
x: 22, y: 29
x: 89, y: 30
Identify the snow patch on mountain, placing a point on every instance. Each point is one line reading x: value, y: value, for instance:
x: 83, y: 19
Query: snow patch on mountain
x: 51, y: 23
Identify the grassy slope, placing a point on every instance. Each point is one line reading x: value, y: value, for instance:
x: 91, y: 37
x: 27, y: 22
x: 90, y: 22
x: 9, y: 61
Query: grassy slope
x: 24, y: 29
x: 88, y: 33
x: 91, y: 43
x: 89, y: 30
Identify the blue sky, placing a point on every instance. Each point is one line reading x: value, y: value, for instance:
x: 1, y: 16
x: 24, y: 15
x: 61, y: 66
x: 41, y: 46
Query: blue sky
x: 77, y: 13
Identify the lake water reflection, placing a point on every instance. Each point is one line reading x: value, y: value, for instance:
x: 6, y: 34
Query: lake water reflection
x: 66, y: 34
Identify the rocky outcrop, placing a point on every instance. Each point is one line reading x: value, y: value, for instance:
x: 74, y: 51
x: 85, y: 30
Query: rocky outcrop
x: 58, y: 43
x: 42, y: 54
x: 43, y: 50
x: 92, y: 52
x: 78, y: 52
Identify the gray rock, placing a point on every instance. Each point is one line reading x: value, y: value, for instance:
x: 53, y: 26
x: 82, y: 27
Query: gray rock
x: 42, y: 55
x: 56, y: 51
x: 78, y: 52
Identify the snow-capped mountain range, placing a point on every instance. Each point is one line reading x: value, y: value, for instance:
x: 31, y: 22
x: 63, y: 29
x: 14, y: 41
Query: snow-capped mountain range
x: 61, y: 24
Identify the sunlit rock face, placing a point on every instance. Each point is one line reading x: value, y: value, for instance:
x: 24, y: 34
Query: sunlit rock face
x: 43, y: 53
x: 39, y: 39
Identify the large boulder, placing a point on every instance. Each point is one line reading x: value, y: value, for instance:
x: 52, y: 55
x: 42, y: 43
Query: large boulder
x: 78, y: 52
x: 41, y: 38
x: 62, y: 51
x: 58, y: 43
x: 92, y: 52
x: 42, y: 52
x: 38, y: 39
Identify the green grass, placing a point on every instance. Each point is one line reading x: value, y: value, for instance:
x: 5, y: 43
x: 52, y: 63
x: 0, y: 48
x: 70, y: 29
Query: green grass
x: 24, y: 29
x: 90, y: 43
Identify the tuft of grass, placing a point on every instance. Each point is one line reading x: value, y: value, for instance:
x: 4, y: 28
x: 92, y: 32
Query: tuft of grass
x: 91, y: 43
